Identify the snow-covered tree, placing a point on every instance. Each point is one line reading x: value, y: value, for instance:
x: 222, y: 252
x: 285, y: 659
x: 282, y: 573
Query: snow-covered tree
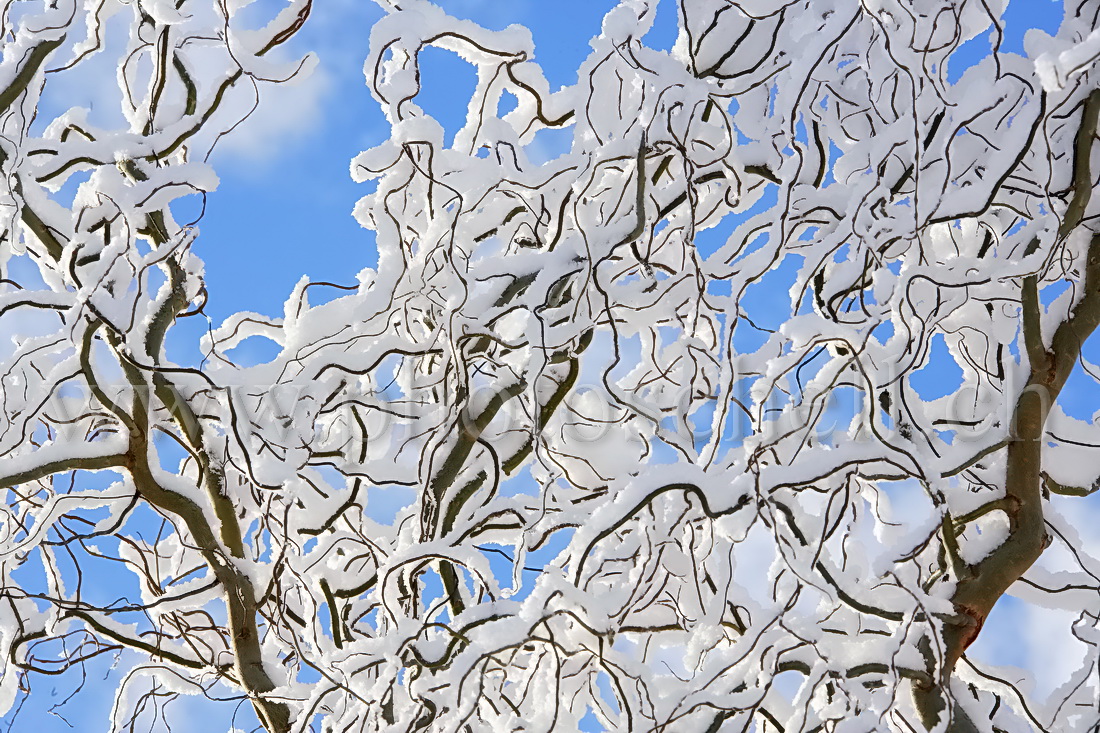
x: 626, y: 435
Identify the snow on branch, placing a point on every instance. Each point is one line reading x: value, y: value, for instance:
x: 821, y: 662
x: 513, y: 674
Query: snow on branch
x: 774, y: 372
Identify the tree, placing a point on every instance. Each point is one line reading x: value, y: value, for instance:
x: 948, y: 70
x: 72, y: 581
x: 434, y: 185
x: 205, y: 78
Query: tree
x: 649, y: 400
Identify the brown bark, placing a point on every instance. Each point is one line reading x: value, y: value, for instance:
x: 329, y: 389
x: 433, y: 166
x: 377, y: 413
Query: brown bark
x: 983, y: 583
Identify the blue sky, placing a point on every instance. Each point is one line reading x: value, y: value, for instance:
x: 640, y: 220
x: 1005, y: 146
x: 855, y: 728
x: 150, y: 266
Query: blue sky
x: 283, y: 210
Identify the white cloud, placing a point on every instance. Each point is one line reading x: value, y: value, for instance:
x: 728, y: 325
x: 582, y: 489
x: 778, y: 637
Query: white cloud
x: 92, y: 84
x: 335, y: 36
x: 287, y: 113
